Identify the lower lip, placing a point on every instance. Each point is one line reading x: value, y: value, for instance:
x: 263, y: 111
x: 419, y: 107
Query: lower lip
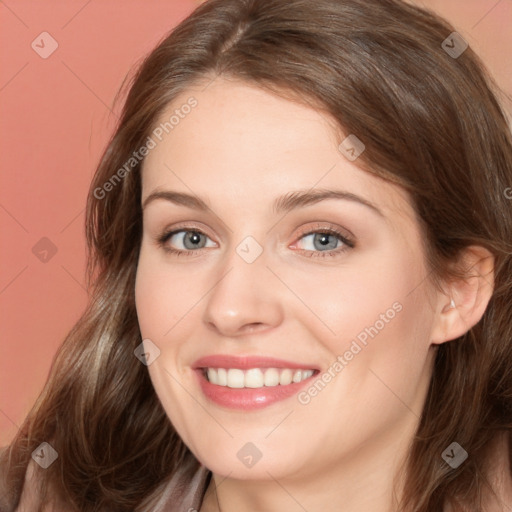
x: 248, y: 398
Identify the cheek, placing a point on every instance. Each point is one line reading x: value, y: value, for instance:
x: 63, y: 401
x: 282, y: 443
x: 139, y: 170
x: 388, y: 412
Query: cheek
x: 375, y: 315
x: 160, y: 305
x: 164, y: 297
x: 378, y: 289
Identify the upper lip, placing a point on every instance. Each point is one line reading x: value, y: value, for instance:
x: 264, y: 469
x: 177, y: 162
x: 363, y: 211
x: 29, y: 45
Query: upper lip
x: 246, y: 362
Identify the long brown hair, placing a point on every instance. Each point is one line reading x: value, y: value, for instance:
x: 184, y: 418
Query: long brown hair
x: 430, y: 121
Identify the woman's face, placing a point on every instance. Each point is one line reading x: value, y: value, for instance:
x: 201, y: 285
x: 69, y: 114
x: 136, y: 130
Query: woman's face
x: 269, y: 281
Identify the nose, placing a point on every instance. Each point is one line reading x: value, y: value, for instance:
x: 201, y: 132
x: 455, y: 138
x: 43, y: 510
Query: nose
x: 246, y: 298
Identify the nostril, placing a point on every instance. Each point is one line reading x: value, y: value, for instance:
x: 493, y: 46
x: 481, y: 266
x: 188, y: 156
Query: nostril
x: 254, y: 326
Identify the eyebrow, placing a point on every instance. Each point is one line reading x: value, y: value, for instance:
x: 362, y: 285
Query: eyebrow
x: 283, y: 204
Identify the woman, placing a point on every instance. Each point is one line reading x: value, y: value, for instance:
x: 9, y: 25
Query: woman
x: 300, y: 254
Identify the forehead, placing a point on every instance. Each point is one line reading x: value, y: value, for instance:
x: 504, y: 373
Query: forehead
x: 242, y: 141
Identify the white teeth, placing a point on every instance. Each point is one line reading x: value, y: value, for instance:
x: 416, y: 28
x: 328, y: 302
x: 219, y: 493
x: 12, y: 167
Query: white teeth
x: 271, y: 377
x: 286, y: 377
x: 212, y: 376
x: 307, y: 374
x: 235, y: 378
x: 256, y: 377
x: 222, y: 377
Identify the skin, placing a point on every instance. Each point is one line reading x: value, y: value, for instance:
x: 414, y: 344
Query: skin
x: 239, y: 149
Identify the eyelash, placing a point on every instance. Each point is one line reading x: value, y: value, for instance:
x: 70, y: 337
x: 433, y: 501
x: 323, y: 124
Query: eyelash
x: 348, y: 243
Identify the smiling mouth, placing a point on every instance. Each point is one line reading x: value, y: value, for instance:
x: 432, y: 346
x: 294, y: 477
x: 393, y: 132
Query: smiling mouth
x: 254, y: 378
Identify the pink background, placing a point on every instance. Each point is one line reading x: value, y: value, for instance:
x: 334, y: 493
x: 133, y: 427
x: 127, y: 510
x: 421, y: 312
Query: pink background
x: 55, y: 122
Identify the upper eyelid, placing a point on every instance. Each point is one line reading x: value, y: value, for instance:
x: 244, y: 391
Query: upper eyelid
x: 302, y: 231
x: 318, y: 228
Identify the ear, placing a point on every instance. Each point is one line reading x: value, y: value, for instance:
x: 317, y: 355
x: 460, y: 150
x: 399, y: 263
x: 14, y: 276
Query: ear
x: 464, y: 300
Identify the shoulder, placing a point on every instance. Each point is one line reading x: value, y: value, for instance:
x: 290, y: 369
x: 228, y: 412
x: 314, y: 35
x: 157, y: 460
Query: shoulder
x: 501, y: 473
x: 183, y: 492
x: 8, y: 494
x: 499, y: 477
x: 29, y: 500
x: 30, y: 496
